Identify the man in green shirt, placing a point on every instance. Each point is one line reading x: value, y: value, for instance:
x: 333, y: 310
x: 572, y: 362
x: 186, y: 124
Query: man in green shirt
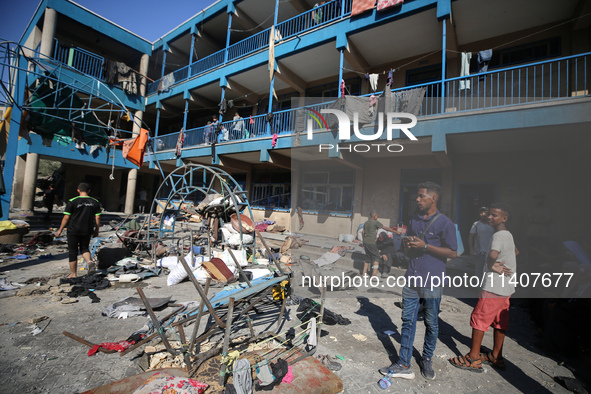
x: 370, y: 230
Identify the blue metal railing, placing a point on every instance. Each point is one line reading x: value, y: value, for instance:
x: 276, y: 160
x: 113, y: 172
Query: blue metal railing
x: 80, y: 59
x: 535, y: 82
x: 249, y: 45
x: 166, y: 142
x: 309, y: 20
x: 549, y: 80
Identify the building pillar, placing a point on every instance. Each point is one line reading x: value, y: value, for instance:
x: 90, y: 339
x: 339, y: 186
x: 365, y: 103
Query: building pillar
x: 19, y: 180
x: 137, y: 125
x: 32, y: 164
x: 131, y: 185
x: 30, y: 181
x: 49, y: 24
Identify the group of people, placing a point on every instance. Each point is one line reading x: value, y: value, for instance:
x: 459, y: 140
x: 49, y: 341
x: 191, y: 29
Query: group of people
x: 213, y: 129
x: 430, y: 241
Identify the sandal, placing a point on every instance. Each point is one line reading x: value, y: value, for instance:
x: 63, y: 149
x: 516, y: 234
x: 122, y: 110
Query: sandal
x: 498, y: 363
x: 328, y: 363
x: 465, y: 362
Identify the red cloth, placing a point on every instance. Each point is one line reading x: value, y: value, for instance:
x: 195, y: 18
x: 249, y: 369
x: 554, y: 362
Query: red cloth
x: 491, y: 310
x: 118, y: 346
x: 383, y: 4
x: 360, y: 6
x: 251, y: 121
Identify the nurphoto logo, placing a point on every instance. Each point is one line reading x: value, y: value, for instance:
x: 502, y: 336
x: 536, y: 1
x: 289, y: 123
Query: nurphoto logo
x: 393, y: 122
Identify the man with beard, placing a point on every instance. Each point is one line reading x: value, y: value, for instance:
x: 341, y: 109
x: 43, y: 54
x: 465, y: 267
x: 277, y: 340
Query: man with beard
x: 431, y: 241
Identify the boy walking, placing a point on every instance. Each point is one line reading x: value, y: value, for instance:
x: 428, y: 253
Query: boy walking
x: 492, y: 309
x: 370, y: 230
x: 82, y: 216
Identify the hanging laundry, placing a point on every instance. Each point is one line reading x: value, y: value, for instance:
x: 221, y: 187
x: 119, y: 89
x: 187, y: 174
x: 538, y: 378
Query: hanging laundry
x: 372, y: 100
x: 133, y: 150
x: 179, y: 144
x: 274, y: 140
x: 126, y: 77
x: 465, y: 69
x: 390, y: 77
x: 166, y: 82
x: 342, y: 88
x: 110, y: 71
x: 385, y: 4
x: 373, y: 81
x: 360, y: 6
x: 367, y: 76
x: 483, y: 60
x: 223, y: 106
x: 251, y: 120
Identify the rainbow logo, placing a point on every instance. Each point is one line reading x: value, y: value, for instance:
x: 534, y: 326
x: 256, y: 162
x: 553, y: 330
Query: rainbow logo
x: 317, y: 117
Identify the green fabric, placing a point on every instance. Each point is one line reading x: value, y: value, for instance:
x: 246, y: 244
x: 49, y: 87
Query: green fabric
x: 51, y: 122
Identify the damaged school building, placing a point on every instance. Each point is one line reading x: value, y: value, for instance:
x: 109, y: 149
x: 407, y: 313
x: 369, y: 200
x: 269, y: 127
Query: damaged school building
x: 500, y: 91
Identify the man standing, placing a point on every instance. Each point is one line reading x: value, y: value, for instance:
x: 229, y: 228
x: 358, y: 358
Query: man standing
x: 432, y: 240
x: 82, y: 216
x: 478, y: 241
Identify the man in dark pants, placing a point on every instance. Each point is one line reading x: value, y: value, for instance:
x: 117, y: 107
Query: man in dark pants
x: 82, y: 216
x: 432, y: 240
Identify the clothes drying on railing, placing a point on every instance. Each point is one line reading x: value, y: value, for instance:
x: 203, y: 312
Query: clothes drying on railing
x: 166, y: 82
x: 120, y: 73
x: 360, y: 6
x: 385, y: 4
x: 465, y: 69
x: 483, y: 60
x: 407, y: 101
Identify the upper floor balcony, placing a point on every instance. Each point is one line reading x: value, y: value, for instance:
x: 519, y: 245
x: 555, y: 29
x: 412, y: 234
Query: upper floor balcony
x: 540, y: 82
x: 310, y: 20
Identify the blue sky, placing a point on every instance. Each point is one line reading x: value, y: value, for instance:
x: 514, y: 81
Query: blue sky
x: 150, y: 19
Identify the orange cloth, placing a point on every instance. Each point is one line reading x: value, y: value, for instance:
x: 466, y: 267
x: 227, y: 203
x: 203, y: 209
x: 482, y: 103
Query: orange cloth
x: 133, y: 150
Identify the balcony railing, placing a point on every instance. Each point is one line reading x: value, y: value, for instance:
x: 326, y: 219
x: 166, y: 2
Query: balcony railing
x: 532, y: 83
x: 550, y: 80
x: 249, y: 45
x: 309, y: 20
x: 80, y: 59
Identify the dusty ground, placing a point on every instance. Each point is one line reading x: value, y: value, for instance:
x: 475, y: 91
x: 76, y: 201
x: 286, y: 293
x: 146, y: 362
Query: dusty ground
x: 51, y: 362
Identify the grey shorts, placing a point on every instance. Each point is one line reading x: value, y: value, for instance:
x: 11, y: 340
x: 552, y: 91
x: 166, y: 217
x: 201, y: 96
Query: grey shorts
x: 372, y: 253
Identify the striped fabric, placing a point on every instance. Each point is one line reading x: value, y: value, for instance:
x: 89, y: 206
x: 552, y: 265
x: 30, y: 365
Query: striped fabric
x: 360, y: 6
x: 384, y: 4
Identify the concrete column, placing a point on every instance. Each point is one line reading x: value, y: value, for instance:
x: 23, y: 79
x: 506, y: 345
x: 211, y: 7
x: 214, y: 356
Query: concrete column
x: 143, y: 71
x: 131, y: 185
x: 49, y: 24
x: 17, y: 186
x: 31, y: 169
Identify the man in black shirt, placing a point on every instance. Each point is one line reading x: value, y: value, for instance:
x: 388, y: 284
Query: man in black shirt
x: 82, y: 216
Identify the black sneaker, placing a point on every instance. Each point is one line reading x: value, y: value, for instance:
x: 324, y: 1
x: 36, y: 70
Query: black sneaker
x: 427, y: 371
x: 398, y: 371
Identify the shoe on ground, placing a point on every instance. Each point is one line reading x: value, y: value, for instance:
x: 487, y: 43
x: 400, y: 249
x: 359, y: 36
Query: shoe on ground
x: 385, y: 275
x: 398, y: 371
x: 427, y: 371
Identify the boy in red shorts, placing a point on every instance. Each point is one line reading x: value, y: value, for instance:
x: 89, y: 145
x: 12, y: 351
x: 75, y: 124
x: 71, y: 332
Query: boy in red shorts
x: 492, y: 309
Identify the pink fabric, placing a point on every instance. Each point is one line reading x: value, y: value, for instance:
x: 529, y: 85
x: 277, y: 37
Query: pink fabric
x: 360, y: 6
x: 288, y: 376
x: 383, y: 4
